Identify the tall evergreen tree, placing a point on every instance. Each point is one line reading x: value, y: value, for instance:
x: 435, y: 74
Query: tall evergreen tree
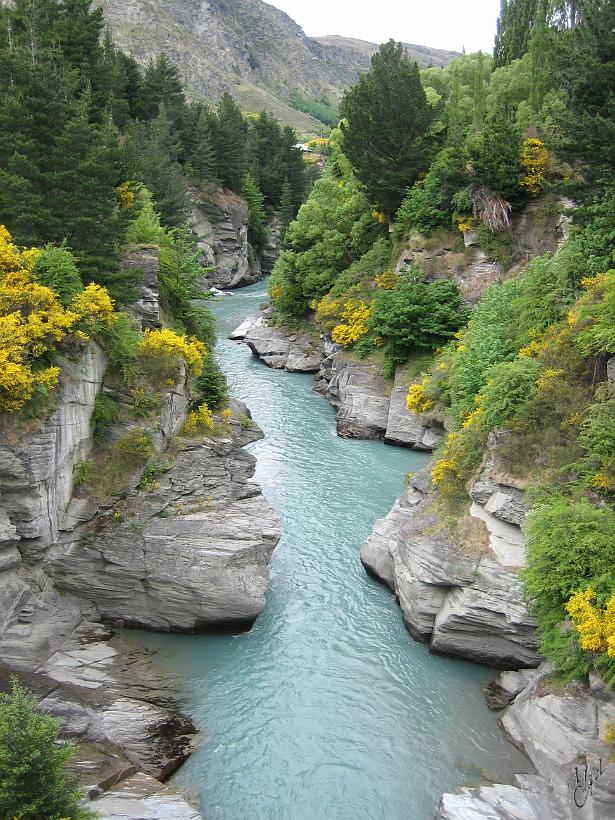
x: 386, y: 127
x: 257, y: 230
x: 230, y: 143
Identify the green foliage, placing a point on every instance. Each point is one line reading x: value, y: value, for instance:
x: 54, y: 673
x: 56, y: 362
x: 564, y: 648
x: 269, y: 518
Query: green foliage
x: 104, y: 416
x: 415, y: 315
x: 257, y: 228
x: 321, y: 109
x: 486, y: 342
x: 497, y: 245
x: 570, y: 545
x: 211, y: 386
x: 181, y: 281
x: 333, y: 228
x: 508, y: 387
x: 33, y: 785
x: 387, y: 127
x: 496, y: 155
x: 121, y: 343
x: 56, y: 268
x: 230, y: 143
x: 427, y: 204
x: 372, y: 263
x: 145, y: 228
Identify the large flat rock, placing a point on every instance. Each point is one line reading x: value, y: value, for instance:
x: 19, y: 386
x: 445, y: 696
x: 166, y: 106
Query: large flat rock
x: 189, y: 554
x: 465, y: 601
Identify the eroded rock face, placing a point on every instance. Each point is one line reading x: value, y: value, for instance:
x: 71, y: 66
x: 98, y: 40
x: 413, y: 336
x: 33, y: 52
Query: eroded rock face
x: 144, y: 261
x: 221, y: 226
x: 464, y: 600
x: 36, y: 477
x: 405, y: 427
x: 189, y: 554
x: 278, y: 347
x: 562, y: 732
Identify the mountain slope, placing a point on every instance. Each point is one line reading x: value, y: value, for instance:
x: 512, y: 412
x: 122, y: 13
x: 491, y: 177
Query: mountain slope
x: 247, y: 47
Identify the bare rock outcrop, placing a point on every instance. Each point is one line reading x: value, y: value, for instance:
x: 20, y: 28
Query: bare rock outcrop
x: 464, y: 599
x: 278, y: 347
x: 562, y: 732
x: 220, y: 222
x: 188, y: 554
x: 144, y: 260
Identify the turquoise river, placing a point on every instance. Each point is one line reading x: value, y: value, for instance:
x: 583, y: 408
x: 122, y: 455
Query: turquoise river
x: 326, y: 709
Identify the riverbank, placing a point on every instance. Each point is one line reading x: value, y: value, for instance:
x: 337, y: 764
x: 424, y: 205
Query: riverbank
x: 460, y: 593
x: 325, y: 707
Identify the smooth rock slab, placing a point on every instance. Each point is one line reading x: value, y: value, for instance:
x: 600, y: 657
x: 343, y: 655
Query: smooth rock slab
x: 278, y: 347
x: 141, y: 797
x: 405, y: 427
x: 190, y: 554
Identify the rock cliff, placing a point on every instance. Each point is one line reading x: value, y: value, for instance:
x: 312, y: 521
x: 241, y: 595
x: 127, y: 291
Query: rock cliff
x: 460, y: 592
x: 562, y: 732
x: 187, y: 551
x: 190, y: 553
x: 220, y: 223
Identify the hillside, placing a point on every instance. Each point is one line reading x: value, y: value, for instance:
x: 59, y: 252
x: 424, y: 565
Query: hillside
x: 249, y: 48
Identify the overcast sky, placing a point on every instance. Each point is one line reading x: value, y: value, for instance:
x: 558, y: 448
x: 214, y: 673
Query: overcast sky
x: 449, y: 24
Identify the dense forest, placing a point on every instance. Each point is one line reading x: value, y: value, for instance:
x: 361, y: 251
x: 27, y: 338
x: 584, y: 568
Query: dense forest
x: 437, y: 155
x: 97, y: 153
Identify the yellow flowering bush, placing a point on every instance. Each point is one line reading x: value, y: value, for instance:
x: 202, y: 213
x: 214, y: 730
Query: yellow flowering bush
x: 535, y: 160
x: 199, y: 421
x: 465, y: 224
x: 353, y: 325
x: 94, y: 307
x: 387, y: 280
x: 32, y: 323
x: 417, y: 400
x: 378, y: 216
x: 596, y: 626
x: 125, y: 195
x: 164, y: 348
x: 594, y: 316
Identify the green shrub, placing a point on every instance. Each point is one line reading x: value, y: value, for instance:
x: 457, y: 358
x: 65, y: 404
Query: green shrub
x: 33, y: 785
x: 211, y: 386
x: 427, y: 204
x: 56, y: 268
x: 121, y: 343
x: 135, y: 448
x: 145, y: 229
x: 570, y: 545
x: 84, y: 473
x: 498, y: 246
x: 509, y: 387
x: 484, y: 343
x: 415, y: 315
x: 103, y: 417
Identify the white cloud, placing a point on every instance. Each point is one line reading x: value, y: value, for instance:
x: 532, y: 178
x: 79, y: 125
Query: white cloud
x: 449, y: 24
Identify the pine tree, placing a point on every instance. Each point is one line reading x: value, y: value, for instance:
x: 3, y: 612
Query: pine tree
x: 479, y: 96
x: 287, y: 208
x: 257, y: 230
x: 203, y: 155
x: 386, y: 133
x: 230, y: 143
x: 32, y: 781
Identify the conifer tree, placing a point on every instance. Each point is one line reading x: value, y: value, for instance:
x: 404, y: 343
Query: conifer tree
x: 386, y: 127
x: 257, y: 230
x: 287, y: 208
x: 230, y: 143
x: 203, y: 155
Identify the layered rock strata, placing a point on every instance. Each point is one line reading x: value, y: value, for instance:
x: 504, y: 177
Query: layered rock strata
x: 278, y: 347
x: 463, y: 597
x: 562, y: 732
x: 220, y: 222
x: 188, y: 554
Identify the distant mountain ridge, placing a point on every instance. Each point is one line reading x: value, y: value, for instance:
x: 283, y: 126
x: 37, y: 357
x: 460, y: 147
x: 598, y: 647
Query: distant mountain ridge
x: 249, y: 48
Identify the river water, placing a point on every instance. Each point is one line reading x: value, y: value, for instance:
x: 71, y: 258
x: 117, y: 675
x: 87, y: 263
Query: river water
x: 326, y: 709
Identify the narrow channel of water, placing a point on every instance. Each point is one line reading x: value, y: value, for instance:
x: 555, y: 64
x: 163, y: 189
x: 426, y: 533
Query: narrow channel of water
x: 326, y: 709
